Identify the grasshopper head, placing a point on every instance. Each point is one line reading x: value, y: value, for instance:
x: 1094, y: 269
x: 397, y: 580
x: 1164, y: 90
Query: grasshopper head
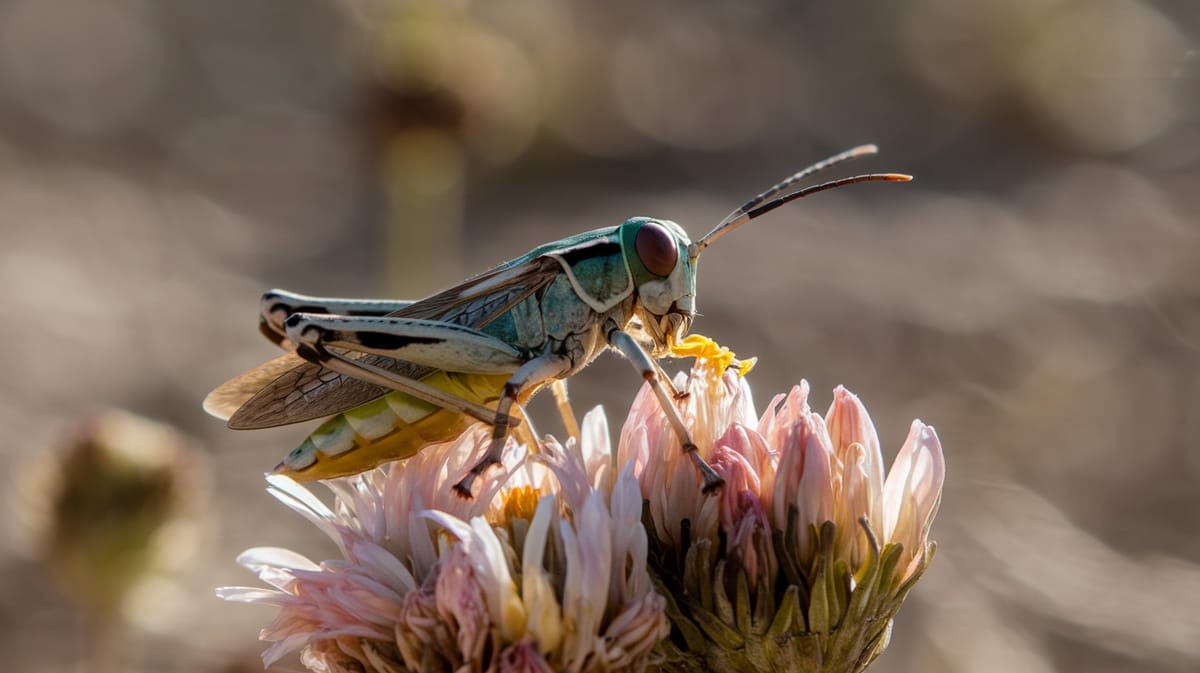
x: 664, y: 274
x: 663, y: 260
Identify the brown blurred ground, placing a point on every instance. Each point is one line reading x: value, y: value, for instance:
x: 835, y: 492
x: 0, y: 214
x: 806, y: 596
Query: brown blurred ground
x: 1035, y: 294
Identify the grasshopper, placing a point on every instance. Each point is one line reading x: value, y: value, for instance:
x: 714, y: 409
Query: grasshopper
x: 398, y: 375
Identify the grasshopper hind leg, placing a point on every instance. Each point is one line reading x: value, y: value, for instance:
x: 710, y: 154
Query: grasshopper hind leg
x: 276, y: 306
x: 537, y: 370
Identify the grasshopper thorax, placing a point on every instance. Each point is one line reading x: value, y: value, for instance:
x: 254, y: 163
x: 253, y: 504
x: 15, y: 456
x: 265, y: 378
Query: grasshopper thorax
x: 664, y: 275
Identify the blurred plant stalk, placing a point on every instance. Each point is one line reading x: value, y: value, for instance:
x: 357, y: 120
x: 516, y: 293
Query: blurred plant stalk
x: 444, y: 88
x: 424, y: 176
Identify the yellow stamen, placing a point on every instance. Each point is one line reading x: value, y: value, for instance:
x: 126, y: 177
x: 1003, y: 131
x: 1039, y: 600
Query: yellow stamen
x: 703, y: 348
x: 520, y: 502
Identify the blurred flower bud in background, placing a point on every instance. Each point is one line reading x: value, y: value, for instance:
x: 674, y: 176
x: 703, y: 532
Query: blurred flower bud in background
x: 117, y: 509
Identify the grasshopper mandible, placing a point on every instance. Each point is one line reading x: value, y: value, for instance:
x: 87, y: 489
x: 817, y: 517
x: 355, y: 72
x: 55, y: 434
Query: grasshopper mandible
x: 399, y: 375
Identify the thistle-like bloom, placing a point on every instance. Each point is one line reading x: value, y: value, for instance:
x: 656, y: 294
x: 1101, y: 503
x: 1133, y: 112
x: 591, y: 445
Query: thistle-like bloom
x: 543, y: 571
x: 799, y: 564
x: 804, y: 558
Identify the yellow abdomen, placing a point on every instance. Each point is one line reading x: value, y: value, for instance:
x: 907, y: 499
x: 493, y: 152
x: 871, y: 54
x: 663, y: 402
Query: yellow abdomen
x: 392, y: 427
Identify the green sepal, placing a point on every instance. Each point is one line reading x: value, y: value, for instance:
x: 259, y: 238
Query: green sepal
x: 722, y: 635
x: 692, y: 636
x: 741, y: 603
x: 722, y: 607
x: 697, y: 572
x: 810, y: 614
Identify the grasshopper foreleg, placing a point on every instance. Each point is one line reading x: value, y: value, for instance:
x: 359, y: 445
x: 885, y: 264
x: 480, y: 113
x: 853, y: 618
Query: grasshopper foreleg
x: 537, y: 370
x: 632, y: 350
x: 676, y: 393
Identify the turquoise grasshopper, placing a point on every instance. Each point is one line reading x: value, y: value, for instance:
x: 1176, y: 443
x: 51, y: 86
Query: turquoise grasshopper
x: 398, y: 375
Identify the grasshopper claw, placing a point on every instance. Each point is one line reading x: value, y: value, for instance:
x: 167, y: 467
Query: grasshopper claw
x: 463, y: 488
x: 712, y: 481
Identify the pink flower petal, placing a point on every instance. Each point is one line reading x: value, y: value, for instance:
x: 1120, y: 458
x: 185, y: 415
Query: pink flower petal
x: 523, y: 658
x: 850, y: 424
x: 913, y: 489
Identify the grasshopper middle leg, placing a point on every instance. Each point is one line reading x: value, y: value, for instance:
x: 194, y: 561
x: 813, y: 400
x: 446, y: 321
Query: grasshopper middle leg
x: 322, y: 338
x: 537, y: 370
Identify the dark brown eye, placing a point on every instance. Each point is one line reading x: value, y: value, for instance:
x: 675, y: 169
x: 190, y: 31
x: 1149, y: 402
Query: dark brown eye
x: 656, y: 248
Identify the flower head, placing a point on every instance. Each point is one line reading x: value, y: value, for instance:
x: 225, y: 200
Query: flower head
x: 545, y: 570
x: 581, y: 558
x: 808, y: 550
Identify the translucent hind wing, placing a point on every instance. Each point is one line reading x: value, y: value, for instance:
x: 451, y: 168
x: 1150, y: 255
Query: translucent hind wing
x: 227, y: 398
x: 309, y: 391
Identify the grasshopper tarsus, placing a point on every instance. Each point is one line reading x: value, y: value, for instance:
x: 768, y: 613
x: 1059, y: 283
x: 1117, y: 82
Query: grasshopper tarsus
x: 713, y: 486
x: 463, y: 488
x: 713, y: 482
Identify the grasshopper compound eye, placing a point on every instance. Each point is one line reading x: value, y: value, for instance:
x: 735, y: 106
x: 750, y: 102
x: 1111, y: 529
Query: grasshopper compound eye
x: 656, y: 248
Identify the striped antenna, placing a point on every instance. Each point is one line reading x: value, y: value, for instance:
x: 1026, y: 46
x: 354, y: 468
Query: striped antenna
x: 772, y: 199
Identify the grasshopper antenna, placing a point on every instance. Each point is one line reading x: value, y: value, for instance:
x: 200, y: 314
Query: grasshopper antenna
x: 770, y: 199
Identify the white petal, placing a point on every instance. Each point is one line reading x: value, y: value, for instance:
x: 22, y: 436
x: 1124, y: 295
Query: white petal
x: 535, y: 537
x: 742, y: 408
x: 589, y: 569
x: 596, y: 447
x: 490, y: 564
x: 421, y: 546
x: 281, y: 648
x: 577, y: 644
x: 913, y: 488
x: 281, y: 484
x: 630, y: 542
x: 931, y: 475
x: 457, y: 527
x: 850, y: 423
x: 544, y: 616
x: 257, y: 558
x: 252, y: 595
x: 304, y: 503
x: 813, y: 494
x: 384, y: 566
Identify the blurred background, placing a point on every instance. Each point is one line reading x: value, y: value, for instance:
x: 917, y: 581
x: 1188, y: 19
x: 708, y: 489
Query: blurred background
x: 1034, y: 294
